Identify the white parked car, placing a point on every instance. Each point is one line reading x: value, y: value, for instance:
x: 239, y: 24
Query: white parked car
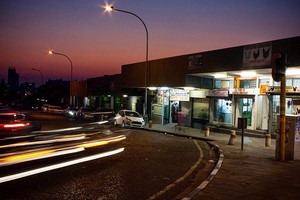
x: 129, y: 118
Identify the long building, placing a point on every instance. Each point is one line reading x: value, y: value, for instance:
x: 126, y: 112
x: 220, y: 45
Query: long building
x: 213, y: 87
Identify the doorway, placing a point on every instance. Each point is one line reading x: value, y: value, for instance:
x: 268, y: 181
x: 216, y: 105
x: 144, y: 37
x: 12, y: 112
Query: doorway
x: 244, y: 107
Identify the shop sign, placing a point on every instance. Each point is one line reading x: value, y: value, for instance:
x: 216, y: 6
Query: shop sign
x: 290, y: 89
x: 197, y: 94
x: 243, y: 91
x: 179, y: 95
x: 195, y: 62
x: 257, y: 55
x: 217, y: 93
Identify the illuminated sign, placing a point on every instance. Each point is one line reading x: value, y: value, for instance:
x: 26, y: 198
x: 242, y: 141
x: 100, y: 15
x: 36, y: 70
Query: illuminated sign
x: 179, y: 95
x: 218, y: 93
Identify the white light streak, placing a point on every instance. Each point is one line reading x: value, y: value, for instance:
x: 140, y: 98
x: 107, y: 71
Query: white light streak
x: 60, y: 165
x: 58, y: 130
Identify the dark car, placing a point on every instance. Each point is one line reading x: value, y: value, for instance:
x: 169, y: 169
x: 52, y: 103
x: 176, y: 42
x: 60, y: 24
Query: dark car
x: 14, y: 123
x: 85, y: 113
x: 104, y: 114
x: 71, y: 112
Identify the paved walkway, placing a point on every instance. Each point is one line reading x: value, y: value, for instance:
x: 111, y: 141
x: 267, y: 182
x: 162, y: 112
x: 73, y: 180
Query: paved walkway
x: 251, y: 173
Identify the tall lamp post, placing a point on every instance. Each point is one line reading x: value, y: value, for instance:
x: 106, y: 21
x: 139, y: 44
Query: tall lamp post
x: 110, y: 8
x: 51, y: 52
x: 34, y: 69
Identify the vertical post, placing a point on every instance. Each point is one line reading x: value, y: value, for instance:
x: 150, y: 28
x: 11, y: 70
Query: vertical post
x: 145, y: 109
x: 282, y: 117
x: 242, y: 143
x: 242, y: 123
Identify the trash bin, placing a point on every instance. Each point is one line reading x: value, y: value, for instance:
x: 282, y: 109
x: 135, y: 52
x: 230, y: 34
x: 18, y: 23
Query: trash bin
x: 232, y: 137
x: 206, y: 131
x: 150, y: 123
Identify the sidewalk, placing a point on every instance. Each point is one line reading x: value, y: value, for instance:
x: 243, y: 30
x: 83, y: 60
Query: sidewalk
x: 251, y: 173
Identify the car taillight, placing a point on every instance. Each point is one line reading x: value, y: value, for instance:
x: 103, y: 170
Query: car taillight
x: 15, y: 125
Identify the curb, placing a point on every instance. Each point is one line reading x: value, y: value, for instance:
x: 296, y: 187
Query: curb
x: 213, y: 173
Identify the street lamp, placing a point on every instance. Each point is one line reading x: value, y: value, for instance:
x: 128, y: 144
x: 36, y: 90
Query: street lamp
x: 51, y: 52
x: 109, y: 8
x: 34, y: 69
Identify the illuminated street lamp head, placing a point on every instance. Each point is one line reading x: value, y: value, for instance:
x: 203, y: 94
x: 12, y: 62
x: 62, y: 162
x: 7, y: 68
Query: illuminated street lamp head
x: 50, y: 52
x: 109, y: 8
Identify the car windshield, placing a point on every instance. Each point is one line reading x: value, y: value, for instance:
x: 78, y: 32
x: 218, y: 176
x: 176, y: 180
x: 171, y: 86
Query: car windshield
x: 132, y: 114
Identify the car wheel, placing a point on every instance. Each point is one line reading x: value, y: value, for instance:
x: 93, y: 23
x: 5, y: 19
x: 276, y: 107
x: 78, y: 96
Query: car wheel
x: 123, y: 124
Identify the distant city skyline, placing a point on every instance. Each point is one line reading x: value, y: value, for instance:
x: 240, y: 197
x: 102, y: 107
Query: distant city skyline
x: 98, y: 43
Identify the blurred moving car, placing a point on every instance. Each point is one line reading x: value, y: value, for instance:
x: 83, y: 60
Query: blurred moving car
x: 45, y: 107
x: 129, y: 118
x: 85, y: 113
x: 102, y: 114
x: 14, y: 123
x: 55, y: 109
x: 71, y: 112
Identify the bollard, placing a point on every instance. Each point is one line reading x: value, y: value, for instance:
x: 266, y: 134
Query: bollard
x: 207, y: 131
x: 232, y: 137
x: 150, y: 123
x: 268, y: 140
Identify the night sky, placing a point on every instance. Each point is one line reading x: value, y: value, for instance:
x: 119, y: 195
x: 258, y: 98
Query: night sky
x: 98, y: 43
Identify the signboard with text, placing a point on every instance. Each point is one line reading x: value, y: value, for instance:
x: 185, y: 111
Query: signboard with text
x: 257, y: 55
x: 195, y: 62
x: 179, y: 95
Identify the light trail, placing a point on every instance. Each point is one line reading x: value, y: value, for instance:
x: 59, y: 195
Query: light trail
x: 60, y: 165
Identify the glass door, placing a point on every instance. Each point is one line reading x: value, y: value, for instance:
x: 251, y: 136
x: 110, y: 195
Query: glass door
x: 247, y: 110
x: 244, y: 108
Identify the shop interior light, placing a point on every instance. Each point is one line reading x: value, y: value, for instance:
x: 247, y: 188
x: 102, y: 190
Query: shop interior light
x: 164, y: 88
x: 220, y: 75
x: 125, y: 95
x: 152, y: 88
x: 248, y: 74
x: 292, y: 71
x: 189, y: 88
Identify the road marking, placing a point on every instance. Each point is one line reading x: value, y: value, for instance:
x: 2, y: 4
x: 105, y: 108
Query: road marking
x: 209, y: 178
x: 183, y: 177
x: 60, y: 165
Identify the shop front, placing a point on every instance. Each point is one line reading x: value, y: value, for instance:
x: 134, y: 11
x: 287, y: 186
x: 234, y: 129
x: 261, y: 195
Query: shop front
x: 171, y: 106
x: 221, y: 107
x: 244, y: 105
x: 292, y: 102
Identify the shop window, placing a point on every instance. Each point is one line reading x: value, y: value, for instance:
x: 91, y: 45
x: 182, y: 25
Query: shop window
x: 201, y: 109
x: 264, y: 81
x: 222, y: 111
x: 289, y: 82
x: 223, y: 84
x: 296, y: 82
x: 248, y: 83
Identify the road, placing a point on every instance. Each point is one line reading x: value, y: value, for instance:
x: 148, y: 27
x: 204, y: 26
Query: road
x: 152, y: 166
